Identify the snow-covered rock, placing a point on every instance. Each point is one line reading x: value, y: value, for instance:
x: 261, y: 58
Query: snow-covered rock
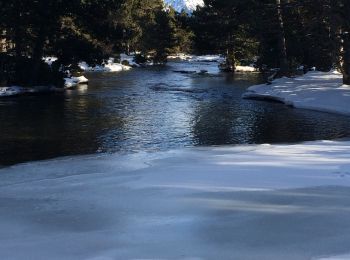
x: 129, y: 59
x: 187, y: 5
x: 245, y: 69
x: 74, y: 81
x: 321, y: 91
x: 12, y: 91
x: 85, y: 67
x: 109, y: 66
x: 49, y: 60
x: 113, y: 67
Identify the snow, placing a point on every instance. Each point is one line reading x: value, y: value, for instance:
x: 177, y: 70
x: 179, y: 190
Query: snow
x: 179, y: 56
x: 75, y: 81
x: 17, y: 90
x: 340, y: 257
x: 113, y: 67
x: 85, y: 67
x: 187, y: 5
x: 235, y: 202
x: 195, y: 68
x: 195, y: 58
x: 196, y: 65
x: 129, y: 59
x: 49, y: 60
x: 11, y: 91
x: 321, y: 91
x: 110, y: 66
x: 245, y: 69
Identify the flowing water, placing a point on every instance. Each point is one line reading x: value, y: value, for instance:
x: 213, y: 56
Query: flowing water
x: 153, y: 109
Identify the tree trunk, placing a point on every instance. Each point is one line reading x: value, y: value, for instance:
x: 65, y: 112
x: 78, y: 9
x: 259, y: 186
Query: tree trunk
x: 231, y: 60
x: 45, y: 11
x: 346, y: 59
x: 19, y: 35
x: 37, y: 55
x: 282, y: 40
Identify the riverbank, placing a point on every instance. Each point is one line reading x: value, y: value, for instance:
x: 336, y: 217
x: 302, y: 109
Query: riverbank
x: 319, y: 91
x: 70, y: 83
x: 243, y: 202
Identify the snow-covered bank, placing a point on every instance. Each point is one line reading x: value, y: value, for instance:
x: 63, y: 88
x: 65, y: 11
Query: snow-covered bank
x: 217, y: 60
x: 196, y: 65
x: 247, y: 202
x: 321, y: 91
x: 195, y: 58
x: 13, y: 91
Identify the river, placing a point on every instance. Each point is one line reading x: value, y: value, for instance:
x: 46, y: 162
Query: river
x: 153, y: 109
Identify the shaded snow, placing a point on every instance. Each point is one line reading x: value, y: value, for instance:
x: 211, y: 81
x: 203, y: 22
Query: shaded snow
x: 11, y: 91
x: 258, y: 202
x: 340, y: 257
x: 18, y: 91
x: 321, y: 91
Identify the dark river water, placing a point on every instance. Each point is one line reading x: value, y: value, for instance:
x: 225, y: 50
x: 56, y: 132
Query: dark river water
x: 150, y: 110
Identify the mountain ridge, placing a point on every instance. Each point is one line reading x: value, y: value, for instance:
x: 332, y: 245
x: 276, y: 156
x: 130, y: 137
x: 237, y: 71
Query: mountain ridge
x: 187, y: 5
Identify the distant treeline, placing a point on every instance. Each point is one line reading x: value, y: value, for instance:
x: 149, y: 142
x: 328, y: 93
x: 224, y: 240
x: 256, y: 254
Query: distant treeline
x: 281, y: 34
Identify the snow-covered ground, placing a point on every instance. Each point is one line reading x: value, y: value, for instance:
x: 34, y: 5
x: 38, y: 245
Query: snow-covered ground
x: 247, y: 202
x: 321, y: 91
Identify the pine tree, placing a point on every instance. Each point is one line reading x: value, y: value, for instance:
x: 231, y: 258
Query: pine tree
x: 71, y: 30
x: 226, y: 27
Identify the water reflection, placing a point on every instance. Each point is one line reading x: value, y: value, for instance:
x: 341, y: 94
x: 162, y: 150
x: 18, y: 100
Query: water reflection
x: 127, y: 112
